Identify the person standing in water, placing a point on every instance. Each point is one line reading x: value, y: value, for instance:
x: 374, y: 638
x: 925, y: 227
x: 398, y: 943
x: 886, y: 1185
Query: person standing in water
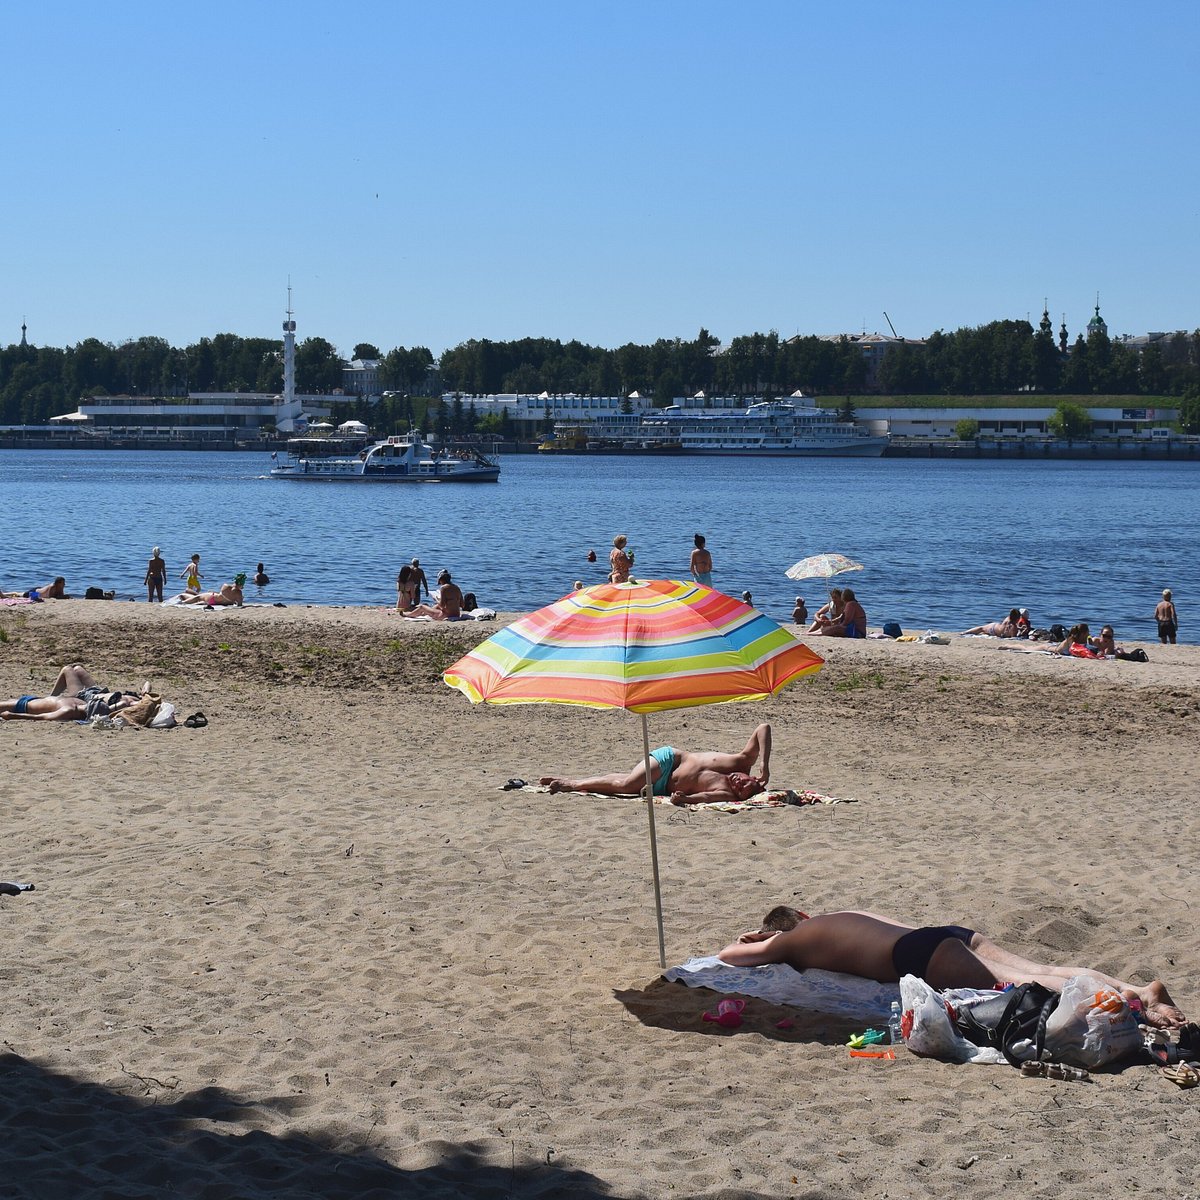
x: 701, y: 562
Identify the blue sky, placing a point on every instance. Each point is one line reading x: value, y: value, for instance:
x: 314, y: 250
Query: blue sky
x: 428, y: 173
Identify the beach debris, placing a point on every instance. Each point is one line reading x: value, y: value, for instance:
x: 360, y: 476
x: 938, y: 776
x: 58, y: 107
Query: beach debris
x: 967, y: 1163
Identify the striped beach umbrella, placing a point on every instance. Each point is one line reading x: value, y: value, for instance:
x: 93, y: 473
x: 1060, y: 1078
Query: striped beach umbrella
x: 645, y: 647
x: 822, y: 566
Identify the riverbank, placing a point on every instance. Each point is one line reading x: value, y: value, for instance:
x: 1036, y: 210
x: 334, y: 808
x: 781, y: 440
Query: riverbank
x: 313, y: 948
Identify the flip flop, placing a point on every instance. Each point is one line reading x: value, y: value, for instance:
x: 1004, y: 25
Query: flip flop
x: 1184, y: 1074
x: 196, y: 721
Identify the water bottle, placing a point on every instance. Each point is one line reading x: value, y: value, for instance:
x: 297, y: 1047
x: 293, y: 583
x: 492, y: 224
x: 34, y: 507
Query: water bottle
x: 897, y: 1036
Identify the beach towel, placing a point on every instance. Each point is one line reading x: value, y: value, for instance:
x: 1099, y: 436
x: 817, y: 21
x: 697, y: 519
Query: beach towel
x: 775, y: 798
x: 818, y: 991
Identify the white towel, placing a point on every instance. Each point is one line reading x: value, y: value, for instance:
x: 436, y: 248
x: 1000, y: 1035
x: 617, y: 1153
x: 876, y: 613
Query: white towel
x: 821, y: 991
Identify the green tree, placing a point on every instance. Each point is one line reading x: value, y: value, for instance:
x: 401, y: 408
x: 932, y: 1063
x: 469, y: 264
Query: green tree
x: 966, y: 430
x: 366, y: 350
x: 1070, y: 420
x: 1189, y: 410
x: 846, y: 410
x: 318, y: 367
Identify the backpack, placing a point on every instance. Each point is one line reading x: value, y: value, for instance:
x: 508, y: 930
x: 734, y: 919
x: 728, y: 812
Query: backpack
x: 892, y: 629
x: 1058, y: 633
x: 469, y: 603
x: 94, y: 593
x: 1014, y: 1022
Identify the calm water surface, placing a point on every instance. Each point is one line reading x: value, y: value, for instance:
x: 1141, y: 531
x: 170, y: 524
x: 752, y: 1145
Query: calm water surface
x: 946, y: 544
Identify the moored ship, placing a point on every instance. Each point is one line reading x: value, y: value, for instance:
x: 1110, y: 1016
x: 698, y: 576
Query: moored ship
x: 779, y: 428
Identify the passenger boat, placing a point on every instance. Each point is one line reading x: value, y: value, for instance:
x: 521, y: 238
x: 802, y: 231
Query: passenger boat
x: 768, y: 427
x: 404, y: 458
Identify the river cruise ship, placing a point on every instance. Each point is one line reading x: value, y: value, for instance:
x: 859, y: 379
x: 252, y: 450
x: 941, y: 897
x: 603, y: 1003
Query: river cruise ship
x: 778, y: 428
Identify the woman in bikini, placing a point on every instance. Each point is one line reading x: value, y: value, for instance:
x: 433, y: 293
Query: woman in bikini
x: 619, y: 562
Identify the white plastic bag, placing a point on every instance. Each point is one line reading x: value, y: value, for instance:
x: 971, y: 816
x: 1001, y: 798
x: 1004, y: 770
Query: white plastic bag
x: 1092, y: 1025
x: 933, y: 1034
x: 165, y: 717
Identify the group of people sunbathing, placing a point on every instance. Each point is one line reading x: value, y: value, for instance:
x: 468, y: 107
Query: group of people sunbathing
x: 76, y: 696
x: 1077, y: 642
x: 855, y: 943
x: 841, y: 616
x: 448, y: 600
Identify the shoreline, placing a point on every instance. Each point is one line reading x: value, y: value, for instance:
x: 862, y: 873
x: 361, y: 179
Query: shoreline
x: 313, y: 946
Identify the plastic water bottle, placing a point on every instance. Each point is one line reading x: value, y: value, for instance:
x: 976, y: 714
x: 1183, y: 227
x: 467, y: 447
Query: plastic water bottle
x: 897, y: 1036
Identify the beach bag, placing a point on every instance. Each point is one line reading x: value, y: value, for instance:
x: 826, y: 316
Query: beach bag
x: 469, y: 602
x: 1092, y: 1026
x: 164, y: 718
x: 892, y: 629
x: 94, y: 593
x: 1080, y: 651
x: 1058, y: 633
x: 1138, y: 655
x: 1013, y: 1023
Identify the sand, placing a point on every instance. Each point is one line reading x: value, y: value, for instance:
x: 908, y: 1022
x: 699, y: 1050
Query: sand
x: 311, y: 949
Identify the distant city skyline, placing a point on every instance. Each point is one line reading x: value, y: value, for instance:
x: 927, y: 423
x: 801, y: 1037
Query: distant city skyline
x: 424, y: 176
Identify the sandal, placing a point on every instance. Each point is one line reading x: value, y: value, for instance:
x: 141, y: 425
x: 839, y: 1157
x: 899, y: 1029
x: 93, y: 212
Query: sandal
x: 1184, y: 1074
x: 196, y: 721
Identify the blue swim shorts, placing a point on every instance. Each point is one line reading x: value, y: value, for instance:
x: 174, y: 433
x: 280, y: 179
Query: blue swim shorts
x: 665, y: 757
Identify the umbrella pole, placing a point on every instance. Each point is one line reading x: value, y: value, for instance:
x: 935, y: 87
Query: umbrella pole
x: 662, y: 947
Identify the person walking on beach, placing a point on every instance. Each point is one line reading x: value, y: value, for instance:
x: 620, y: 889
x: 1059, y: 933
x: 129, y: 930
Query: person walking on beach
x: 156, y: 573
x: 701, y: 562
x: 417, y: 581
x: 1167, y: 618
x: 945, y: 956
x: 191, y: 574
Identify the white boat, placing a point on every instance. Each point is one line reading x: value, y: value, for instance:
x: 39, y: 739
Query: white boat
x: 404, y: 458
x: 769, y: 427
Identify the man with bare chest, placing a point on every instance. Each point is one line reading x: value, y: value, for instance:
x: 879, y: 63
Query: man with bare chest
x: 687, y: 776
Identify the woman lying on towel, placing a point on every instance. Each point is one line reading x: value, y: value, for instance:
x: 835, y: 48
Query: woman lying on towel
x: 230, y: 594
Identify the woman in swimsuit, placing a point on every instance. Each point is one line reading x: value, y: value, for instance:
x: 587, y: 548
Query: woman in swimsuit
x: 156, y: 572
x: 1009, y: 627
x: 829, y: 612
x: 619, y: 562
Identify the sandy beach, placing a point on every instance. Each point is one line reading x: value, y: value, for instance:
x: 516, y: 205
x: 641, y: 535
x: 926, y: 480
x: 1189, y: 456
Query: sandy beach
x: 312, y: 949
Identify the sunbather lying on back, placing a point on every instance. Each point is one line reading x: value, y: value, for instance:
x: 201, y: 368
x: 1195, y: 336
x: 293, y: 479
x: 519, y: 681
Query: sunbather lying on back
x: 945, y: 956
x: 63, y: 708
x: 687, y: 776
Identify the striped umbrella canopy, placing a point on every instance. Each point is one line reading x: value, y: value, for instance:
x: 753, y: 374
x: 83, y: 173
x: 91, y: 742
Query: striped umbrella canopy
x: 645, y: 647
x: 822, y: 566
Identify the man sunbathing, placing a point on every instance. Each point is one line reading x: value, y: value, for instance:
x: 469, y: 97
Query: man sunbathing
x: 945, y: 956
x: 75, y: 696
x: 64, y: 708
x: 687, y: 776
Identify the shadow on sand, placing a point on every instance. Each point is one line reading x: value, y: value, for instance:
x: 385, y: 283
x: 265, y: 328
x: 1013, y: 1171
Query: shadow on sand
x: 64, y: 1138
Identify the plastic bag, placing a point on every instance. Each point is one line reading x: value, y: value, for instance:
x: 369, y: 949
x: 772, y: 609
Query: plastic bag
x: 932, y: 1033
x: 1092, y: 1026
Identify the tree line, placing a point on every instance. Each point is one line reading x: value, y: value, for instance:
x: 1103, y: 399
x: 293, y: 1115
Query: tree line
x: 1000, y: 358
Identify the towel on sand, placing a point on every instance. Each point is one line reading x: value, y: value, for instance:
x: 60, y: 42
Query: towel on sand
x: 819, y: 991
x: 775, y: 798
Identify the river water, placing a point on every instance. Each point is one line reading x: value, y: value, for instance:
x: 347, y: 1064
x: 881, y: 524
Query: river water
x: 945, y: 543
